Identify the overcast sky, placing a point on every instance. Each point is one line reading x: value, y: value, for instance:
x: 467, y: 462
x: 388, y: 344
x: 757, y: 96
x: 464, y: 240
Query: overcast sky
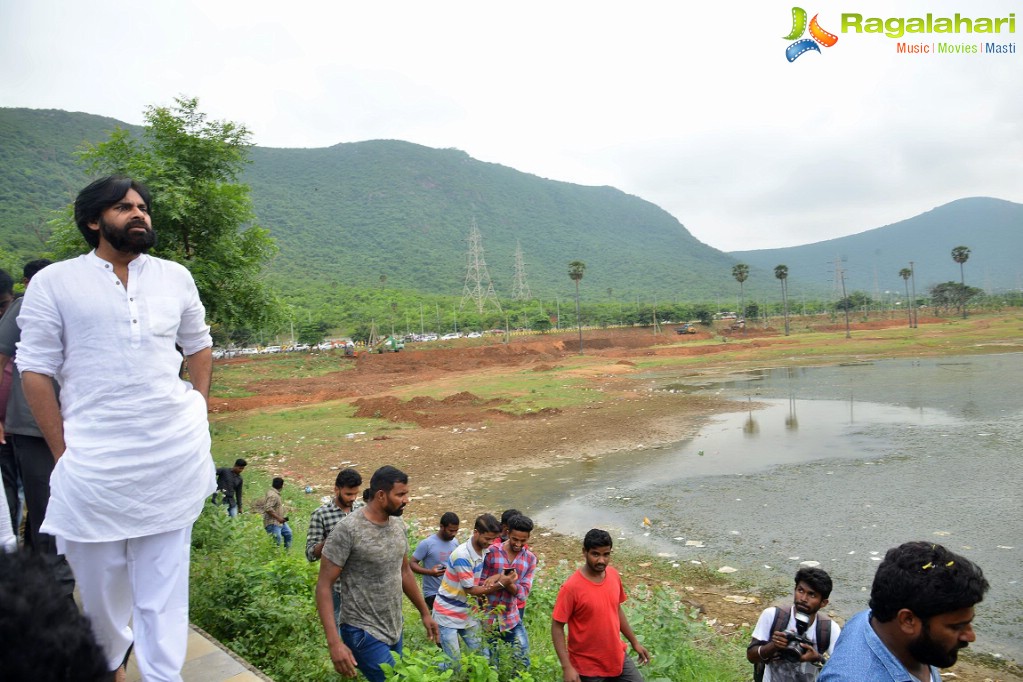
x: 692, y: 106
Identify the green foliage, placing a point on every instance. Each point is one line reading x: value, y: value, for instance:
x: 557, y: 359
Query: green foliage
x: 202, y: 214
x: 854, y: 301
x: 541, y: 324
x: 949, y: 296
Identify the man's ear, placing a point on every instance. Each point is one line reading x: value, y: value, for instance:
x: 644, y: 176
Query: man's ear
x: 909, y: 623
x: 824, y: 602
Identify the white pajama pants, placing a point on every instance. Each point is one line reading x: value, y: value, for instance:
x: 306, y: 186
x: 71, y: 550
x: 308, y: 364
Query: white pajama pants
x: 144, y: 580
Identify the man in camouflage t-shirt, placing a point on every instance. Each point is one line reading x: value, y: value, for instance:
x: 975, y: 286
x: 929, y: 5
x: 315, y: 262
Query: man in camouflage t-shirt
x: 367, y: 551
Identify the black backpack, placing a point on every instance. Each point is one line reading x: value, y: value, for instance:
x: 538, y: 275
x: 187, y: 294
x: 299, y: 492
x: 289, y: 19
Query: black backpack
x: 781, y: 619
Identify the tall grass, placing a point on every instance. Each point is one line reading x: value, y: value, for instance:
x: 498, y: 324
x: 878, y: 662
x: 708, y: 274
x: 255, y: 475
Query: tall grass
x: 258, y: 600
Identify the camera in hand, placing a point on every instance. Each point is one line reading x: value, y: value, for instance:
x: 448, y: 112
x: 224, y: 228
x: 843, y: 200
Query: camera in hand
x: 793, y: 651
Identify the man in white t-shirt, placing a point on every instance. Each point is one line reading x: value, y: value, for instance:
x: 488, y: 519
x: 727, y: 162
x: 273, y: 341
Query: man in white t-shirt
x: 131, y: 438
x: 791, y: 644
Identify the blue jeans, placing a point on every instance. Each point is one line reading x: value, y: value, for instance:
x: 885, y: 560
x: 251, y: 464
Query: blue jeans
x: 519, y: 641
x: 232, y: 509
x: 449, y: 640
x: 278, y: 532
x: 369, y: 652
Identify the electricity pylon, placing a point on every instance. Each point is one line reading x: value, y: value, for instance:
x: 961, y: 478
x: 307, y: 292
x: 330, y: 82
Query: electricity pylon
x: 476, y: 274
x: 520, y: 288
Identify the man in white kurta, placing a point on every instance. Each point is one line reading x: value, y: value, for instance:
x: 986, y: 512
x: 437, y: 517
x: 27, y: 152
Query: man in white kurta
x: 131, y: 437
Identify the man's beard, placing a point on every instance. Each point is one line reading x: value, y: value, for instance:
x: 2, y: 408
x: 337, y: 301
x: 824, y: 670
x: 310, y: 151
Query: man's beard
x: 396, y: 512
x: 926, y: 650
x: 125, y: 240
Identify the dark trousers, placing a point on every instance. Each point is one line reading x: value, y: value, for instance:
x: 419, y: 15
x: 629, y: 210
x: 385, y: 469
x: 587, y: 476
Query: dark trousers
x: 35, y: 463
x: 9, y: 471
x: 629, y: 674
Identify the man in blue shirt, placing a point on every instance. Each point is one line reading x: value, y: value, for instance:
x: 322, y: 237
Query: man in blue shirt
x: 431, y: 555
x: 921, y: 614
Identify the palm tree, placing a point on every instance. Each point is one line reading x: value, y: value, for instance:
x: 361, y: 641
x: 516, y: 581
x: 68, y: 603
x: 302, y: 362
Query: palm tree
x: 740, y: 272
x: 575, y: 273
x: 905, y: 274
x: 782, y: 273
x: 961, y: 254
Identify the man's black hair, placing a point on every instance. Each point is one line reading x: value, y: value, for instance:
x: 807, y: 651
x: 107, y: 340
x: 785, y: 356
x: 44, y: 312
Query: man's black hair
x: 449, y: 519
x: 6, y: 283
x: 278, y: 483
x: 508, y: 514
x: 818, y: 580
x: 367, y: 495
x: 45, y: 638
x: 520, y: 522
x: 385, y: 477
x: 348, y: 478
x: 33, y: 266
x: 100, y: 195
x: 595, y: 538
x: 487, y: 523
x: 927, y: 579
x: 240, y: 462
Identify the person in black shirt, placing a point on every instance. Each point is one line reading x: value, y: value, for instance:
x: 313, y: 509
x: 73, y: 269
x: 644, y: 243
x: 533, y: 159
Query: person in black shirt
x: 229, y: 484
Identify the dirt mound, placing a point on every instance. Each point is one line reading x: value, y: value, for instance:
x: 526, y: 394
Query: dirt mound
x: 424, y: 411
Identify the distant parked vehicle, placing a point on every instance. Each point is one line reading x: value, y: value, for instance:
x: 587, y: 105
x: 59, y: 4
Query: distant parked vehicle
x: 451, y: 336
x: 685, y: 329
x: 389, y: 344
x: 474, y: 335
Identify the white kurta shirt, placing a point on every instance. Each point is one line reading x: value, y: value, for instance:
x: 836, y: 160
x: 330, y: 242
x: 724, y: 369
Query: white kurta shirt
x: 138, y: 443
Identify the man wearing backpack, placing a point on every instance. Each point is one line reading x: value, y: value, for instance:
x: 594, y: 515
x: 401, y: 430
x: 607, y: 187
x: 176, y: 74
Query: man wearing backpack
x: 782, y: 652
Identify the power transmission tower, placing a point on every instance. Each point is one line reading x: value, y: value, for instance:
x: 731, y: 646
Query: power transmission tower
x: 520, y: 288
x: 476, y: 274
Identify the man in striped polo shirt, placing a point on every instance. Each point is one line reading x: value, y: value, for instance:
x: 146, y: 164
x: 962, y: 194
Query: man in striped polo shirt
x: 453, y: 610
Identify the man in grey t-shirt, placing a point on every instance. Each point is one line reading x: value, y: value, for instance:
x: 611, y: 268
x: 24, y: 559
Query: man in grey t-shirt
x: 367, y: 551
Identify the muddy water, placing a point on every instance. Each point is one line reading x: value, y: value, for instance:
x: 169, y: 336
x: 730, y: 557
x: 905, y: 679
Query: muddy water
x: 833, y: 465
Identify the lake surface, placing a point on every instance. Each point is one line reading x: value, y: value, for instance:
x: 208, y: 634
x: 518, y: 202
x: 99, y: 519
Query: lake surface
x: 830, y: 464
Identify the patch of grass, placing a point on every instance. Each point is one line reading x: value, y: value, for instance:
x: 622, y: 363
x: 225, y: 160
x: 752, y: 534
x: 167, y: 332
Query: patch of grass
x: 231, y: 379
x: 291, y: 432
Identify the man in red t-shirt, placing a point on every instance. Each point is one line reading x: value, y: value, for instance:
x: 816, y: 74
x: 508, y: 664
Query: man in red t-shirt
x: 590, y: 603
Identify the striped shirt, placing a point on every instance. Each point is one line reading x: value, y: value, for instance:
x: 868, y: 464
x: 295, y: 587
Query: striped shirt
x: 504, y: 605
x: 453, y: 606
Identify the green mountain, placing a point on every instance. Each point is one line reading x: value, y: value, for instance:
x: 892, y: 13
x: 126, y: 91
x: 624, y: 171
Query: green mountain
x: 397, y: 214
x: 349, y: 214
x: 871, y: 260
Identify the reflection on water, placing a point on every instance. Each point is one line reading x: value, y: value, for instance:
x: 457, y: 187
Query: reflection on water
x: 834, y: 465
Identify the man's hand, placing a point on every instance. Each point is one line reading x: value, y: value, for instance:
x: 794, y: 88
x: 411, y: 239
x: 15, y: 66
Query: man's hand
x: 508, y: 579
x: 432, y: 631
x: 343, y: 660
x: 438, y: 570
x: 641, y: 653
x: 810, y: 654
x: 570, y: 675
